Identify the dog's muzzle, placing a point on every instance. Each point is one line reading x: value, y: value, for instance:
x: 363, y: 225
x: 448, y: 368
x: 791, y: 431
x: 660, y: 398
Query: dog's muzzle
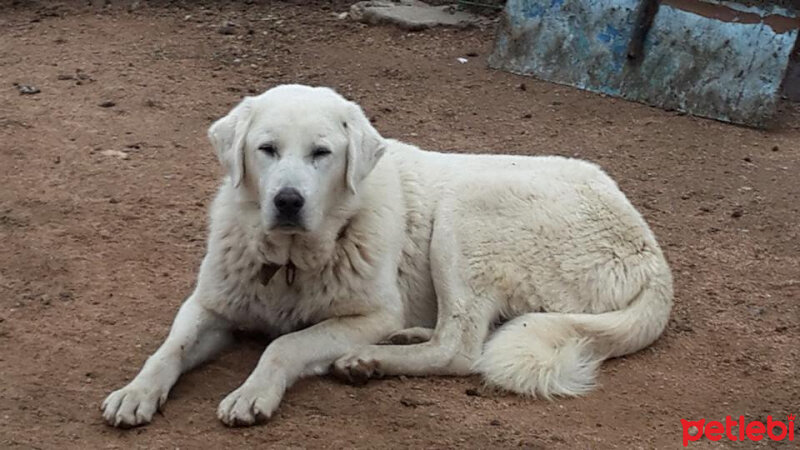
x: 288, y: 203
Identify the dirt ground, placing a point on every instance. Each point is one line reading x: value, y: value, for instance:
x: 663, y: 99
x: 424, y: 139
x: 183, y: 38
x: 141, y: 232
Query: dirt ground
x: 98, y: 248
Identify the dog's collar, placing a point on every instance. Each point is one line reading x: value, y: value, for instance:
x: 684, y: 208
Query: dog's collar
x: 268, y: 270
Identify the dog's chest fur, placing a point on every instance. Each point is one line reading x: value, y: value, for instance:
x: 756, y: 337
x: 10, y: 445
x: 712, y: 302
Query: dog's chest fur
x: 310, y: 282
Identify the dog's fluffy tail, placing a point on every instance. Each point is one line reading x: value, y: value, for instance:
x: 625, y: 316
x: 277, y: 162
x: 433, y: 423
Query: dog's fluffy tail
x: 554, y: 354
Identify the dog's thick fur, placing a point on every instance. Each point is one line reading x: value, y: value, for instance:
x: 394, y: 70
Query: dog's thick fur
x: 402, y: 262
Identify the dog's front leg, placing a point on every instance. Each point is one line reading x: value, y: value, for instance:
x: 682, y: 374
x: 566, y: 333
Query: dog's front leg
x: 307, y: 352
x: 196, y: 335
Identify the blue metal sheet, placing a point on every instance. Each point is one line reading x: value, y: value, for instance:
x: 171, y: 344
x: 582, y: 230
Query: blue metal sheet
x: 704, y: 66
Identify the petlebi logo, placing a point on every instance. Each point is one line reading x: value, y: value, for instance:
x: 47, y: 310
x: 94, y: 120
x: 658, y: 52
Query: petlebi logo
x: 738, y: 429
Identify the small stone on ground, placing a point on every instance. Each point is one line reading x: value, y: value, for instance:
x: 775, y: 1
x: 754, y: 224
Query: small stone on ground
x: 411, y: 14
x: 27, y: 90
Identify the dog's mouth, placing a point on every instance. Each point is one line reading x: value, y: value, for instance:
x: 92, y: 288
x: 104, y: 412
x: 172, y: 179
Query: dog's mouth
x: 288, y: 226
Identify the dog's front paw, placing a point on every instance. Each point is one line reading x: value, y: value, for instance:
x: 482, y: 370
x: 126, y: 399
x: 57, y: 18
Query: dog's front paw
x: 356, y: 370
x: 409, y: 336
x: 133, y: 405
x: 249, y: 405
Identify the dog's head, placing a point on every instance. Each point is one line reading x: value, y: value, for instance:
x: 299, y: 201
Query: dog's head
x: 300, y: 151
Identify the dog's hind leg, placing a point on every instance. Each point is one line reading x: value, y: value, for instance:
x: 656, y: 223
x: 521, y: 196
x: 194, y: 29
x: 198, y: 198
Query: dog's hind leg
x: 462, y: 323
x: 197, y: 334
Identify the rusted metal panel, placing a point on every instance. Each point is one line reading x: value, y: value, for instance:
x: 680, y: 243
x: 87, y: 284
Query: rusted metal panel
x: 724, y: 61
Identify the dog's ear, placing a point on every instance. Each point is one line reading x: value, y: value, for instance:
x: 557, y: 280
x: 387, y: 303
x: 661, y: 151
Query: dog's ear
x: 227, y: 136
x: 364, y: 149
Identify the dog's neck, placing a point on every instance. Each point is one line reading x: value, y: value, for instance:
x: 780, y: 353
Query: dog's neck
x: 299, y: 247
x: 306, y: 251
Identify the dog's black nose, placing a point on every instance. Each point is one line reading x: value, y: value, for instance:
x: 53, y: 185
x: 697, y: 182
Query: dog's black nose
x: 289, y: 201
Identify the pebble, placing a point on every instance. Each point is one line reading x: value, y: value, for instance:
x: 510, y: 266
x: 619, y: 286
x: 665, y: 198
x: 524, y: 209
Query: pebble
x: 414, y: 402
x: 25, y: 89
x: 117, y: 153
x: 682, y: 325
x: 227, y: 28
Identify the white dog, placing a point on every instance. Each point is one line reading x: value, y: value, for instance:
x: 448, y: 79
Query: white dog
x: 370, y: 257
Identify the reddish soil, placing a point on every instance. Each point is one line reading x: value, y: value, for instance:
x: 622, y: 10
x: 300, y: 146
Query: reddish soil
x: 97, y: 251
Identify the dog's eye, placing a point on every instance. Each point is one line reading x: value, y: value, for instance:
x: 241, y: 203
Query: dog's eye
x: 269, y: 149
x: 320, y: 152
